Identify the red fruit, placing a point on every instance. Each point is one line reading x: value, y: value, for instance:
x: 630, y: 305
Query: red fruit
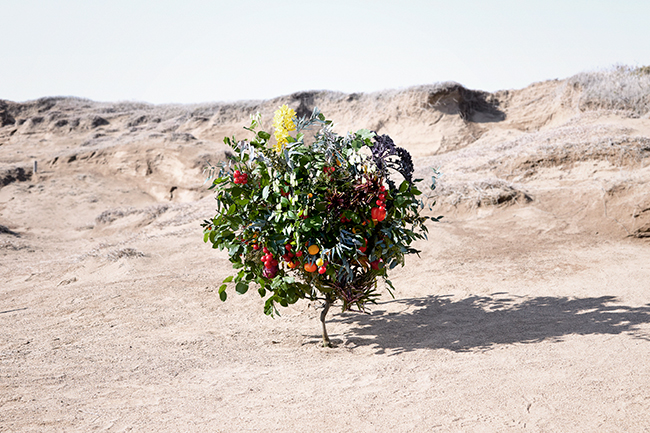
x: 256, y: 247
x: 378, y: 213
x: 274, y: 262
x: 322, y: 270
x: 298, y: 253
x: 266, y: 250
x: 288, y: 247
x: 310, y: 267
x: 365, y: 246
x: 375, y: 264
x: 237, y: 173
x: 379, y: 203
x: 270, y: 272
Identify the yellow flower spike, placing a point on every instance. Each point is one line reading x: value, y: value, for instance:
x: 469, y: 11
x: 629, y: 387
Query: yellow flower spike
x: 283, y: 123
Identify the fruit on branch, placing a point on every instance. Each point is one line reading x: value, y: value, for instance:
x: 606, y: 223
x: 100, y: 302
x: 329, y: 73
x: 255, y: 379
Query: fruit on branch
x: 378, y: 213
x: 240, y: 178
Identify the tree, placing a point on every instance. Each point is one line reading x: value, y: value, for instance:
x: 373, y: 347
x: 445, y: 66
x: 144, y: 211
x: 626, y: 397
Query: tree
x: 321, y: 221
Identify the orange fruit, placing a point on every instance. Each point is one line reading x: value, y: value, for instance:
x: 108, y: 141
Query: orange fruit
x: 313, y: 250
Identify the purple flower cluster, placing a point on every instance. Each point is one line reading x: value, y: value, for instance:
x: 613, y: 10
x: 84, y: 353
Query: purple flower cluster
x: 386, y: 155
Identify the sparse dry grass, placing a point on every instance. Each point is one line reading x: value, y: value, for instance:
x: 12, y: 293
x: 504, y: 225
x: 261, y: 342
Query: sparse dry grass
x: 568, y: 145
x: 620, y: 88
x: 124, y: 252
x: 481, y: 193
x: 110, y: 215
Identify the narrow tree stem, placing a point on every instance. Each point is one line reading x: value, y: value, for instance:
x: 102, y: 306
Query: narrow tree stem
x: 323, y: 314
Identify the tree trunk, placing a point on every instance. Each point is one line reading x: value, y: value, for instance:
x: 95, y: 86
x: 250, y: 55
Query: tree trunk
x: 326, y: 307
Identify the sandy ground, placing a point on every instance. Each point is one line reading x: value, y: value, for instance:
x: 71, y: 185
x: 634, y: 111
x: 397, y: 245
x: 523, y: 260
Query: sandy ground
x: 518, y: 316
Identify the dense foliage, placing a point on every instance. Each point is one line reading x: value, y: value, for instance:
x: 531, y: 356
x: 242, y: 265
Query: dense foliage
x: 321, y: 220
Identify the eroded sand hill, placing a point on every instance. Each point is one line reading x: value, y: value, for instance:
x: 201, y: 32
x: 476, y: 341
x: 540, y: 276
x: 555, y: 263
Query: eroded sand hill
x: 528, y: 310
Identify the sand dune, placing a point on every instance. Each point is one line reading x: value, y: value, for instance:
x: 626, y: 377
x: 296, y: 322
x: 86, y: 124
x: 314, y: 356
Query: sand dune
x: 528, y: 309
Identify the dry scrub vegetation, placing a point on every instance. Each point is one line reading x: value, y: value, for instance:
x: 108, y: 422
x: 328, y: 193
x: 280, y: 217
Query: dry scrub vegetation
x: 489, y: 146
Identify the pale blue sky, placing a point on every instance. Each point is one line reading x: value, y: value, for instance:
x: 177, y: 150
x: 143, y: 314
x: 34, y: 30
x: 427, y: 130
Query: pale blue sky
x: 201, y: 51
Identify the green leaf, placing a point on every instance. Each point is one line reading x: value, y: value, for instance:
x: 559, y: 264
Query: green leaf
x: 269, y: 308
x: 223, y: 296
x: 265, y: 192
x: 241, y: 288
x: 228, y: 279
x: 233, y: 250
x: 264, y: 135
x: 365, y: 134
x: 404, y: 186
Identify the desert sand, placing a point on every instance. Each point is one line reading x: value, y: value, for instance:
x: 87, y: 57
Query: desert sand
x: 527, y: 310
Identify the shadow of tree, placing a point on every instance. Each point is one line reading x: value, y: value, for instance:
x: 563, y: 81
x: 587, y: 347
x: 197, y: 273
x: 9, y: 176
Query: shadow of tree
x: 482, y: 322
